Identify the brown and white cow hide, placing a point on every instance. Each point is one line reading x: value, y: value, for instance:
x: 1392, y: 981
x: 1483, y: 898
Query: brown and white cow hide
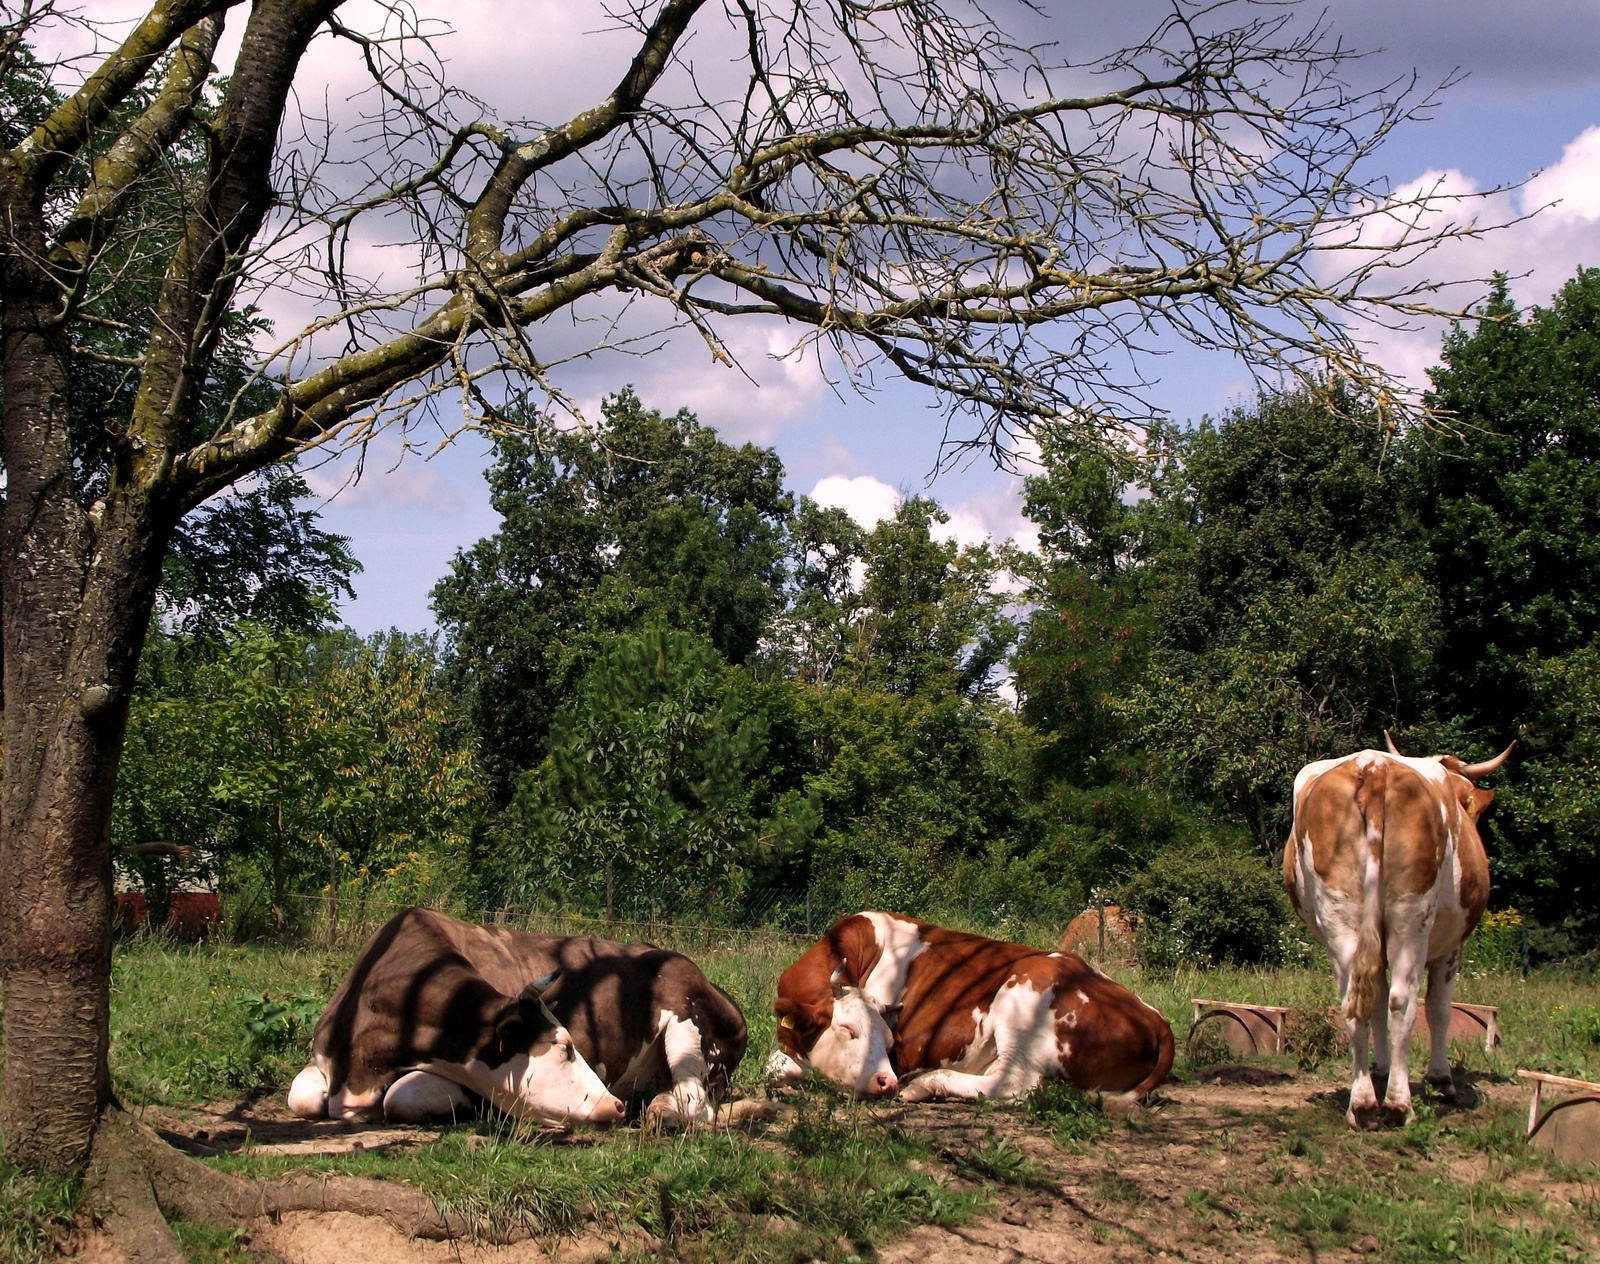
x: 1385, y: 864
x: 883, y: 997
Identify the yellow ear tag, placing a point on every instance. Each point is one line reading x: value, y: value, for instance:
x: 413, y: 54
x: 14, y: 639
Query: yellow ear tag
x: 787, y: 1023
x: 1472, y: 805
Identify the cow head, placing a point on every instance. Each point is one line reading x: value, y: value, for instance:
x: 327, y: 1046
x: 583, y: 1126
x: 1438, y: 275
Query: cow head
x: 535, y: 1070
x: 846, y: 1040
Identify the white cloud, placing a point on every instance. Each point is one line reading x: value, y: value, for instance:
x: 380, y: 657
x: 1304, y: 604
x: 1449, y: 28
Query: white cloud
x: 866, y: 499
x: 385, y: 480
x: 1551, y: 225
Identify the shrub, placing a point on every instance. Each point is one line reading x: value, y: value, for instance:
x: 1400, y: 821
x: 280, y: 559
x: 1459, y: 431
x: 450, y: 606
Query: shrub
x: 1207, y: 908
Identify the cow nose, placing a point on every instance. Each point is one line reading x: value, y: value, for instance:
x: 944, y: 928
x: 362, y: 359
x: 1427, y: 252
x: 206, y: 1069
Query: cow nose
x: 883, y: 1084
x: 608, y: 1110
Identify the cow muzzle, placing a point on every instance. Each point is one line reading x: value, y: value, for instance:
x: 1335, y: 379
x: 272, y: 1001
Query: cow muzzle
x: 608, y: 1111
x: 883, y: 1084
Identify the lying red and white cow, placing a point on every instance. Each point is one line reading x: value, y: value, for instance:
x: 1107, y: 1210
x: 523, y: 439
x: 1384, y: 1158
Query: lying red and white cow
x: 437, y: 1011
x: 1385, y: 864
x: 882, y: 997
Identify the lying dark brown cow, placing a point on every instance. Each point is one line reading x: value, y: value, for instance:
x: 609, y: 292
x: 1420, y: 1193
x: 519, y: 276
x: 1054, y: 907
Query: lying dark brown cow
x: 882, y: 997
x: 437, y: 1011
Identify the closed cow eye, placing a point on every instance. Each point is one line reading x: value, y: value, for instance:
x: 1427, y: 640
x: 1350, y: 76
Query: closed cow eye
x: 850, y: 1033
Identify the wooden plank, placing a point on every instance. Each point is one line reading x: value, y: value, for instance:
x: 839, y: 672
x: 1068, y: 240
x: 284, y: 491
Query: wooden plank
x: 1560, y: 1081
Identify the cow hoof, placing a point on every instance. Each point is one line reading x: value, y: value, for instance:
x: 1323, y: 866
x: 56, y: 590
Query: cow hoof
x: 923, y: 1090
x: 1445, y: 1088
x: 1398, y: 1116
x: 1363, y: 1117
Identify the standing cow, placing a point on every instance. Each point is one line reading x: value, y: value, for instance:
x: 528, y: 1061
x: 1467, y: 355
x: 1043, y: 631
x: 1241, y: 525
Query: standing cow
x: 1385, y: 864
x: 543, y: 1027
x: 882, y: 997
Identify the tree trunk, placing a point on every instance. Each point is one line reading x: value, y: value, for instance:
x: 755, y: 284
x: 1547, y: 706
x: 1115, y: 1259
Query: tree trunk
x: 277, y: 868
x: 73, y: 625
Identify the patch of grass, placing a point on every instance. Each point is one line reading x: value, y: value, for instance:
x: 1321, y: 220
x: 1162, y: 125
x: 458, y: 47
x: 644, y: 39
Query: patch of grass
x: 1070, y: 1113
x: 834, y: 1174
x: 204, y: 1245
x: 197, y: 1022
x: 1113, y: 1187
x: 34, y: 1210
x: 995, y: 1159
x: 1422, y: 1216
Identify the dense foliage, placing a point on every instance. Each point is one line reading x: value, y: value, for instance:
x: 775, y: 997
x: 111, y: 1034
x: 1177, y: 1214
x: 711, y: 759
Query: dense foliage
x: 669, y: 689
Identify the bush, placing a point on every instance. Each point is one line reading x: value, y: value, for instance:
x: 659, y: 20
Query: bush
x: 1207, y: 908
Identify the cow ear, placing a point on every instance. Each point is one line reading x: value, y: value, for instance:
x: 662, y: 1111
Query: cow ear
x: 792, y: 1016
x: 513, y: 1032
x: 1475, y: 799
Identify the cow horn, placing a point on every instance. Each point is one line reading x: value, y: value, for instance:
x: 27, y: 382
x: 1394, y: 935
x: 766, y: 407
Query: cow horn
x: 1389, y: 742
x: 539, y: 986
x: 1473, y: 771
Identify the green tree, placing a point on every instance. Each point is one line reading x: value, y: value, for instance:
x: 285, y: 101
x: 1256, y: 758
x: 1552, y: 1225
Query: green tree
x: 644, y: 520
x: 1508, y: 505
x: 1291, y: 620
x: 311, y: 760
x: 929, y: 620
x: 653, y: 789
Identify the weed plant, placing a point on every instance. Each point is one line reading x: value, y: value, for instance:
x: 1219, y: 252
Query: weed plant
x: 1072, y: 1115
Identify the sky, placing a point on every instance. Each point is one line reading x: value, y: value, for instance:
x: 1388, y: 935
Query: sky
x: 1526, y: 113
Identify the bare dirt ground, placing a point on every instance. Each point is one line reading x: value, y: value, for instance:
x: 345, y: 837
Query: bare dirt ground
x: 1182, y: 1179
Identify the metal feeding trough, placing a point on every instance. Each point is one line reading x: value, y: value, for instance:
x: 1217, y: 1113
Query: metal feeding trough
x: 1254, y: 1031
x: 1250, y: 1031
x: 1570, y: 1129
x: 1467, y: 1023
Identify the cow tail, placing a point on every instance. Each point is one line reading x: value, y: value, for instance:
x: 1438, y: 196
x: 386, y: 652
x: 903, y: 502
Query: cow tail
x: 1164, y: 1052
x: 1366, y: 973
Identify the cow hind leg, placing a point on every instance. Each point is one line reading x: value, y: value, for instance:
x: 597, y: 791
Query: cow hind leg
x: 420, y: 1097
x: 1405, y: 984
x: 1441, y: 985
x: 308, y: 1095
x: 688, y: 1102
x: 1363, y: 1097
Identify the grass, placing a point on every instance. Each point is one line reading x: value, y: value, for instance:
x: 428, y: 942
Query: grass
x: 34, y: 1211
x: 1410, y: 1192
x: 195, y: 1024
x: 833, y: 1178
x: 1548, y: 1022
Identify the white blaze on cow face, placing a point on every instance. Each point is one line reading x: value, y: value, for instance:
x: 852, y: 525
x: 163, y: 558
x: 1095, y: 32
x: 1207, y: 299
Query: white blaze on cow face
x: 853, y: 1051
x: 551, y: 1083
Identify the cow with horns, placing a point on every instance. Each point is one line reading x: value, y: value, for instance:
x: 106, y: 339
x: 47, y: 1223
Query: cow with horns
x: 882, y: 997
x: 1385, y: 864
x: 437, y: 1014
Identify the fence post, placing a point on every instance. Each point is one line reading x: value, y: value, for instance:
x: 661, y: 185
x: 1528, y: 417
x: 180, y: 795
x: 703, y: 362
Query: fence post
x: 808, y: 908
x: 610, y: 916
x: 1524, y: 950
